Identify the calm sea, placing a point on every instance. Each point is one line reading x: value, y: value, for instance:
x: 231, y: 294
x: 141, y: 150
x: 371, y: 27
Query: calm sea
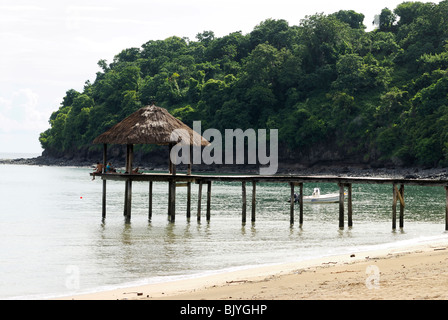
x: 17, y: 155
x: 54, y: 242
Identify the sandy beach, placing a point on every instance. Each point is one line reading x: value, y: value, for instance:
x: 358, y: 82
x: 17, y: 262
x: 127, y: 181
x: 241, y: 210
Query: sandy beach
x: 414, y: 272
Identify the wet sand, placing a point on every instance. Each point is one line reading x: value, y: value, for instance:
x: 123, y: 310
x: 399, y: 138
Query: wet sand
x: 417, y: 272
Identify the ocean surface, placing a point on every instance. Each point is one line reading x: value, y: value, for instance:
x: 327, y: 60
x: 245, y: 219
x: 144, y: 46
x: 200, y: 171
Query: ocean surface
x: 54, y: 242
x: 17, y: 155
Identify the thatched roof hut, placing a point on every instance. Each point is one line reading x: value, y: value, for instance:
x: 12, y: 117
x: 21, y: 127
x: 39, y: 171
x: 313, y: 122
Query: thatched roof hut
x: 150, y: 125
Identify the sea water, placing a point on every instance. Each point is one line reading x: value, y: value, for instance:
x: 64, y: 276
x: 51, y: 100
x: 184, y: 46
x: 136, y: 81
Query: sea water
x: 54, y: 241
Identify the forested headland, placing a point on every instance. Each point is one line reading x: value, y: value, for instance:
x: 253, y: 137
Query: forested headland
x: 335, y: 92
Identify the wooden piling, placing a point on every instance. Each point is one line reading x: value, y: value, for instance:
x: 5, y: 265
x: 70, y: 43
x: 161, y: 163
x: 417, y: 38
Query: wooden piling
x: 199, y: 200
x: 209, y: 197
x: 126, y: 191
x: 291, y: 207
x: 129, y: 157
x: 169, y: 200
x: 349, y: 205
x: 301, y: 204
x: 401, y: 197
x: 188, y: 200
x: 150, y: 201
x: 394, y: 207
x: 341, y: 205
x: 104, y: 181
x: 189, y: 183
x: 172, y: 200
x: 128, y: 182
x: 170, y: 163
x: 104, y: 200
x: 446, y: 208
x: 128, y: 200
x: 243, y: 218
x: 254, y: 191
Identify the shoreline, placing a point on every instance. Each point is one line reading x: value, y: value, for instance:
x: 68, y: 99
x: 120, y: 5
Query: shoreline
x: 416, y: 271
x: 337, y: 169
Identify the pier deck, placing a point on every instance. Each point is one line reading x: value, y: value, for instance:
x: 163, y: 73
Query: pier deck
x: 270, y: 178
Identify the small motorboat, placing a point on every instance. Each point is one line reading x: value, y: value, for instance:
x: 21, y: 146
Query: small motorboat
x: 316, y: 197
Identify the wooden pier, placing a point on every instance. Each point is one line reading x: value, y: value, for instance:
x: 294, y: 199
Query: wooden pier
x: 294, y: 181
x: 155, y: 125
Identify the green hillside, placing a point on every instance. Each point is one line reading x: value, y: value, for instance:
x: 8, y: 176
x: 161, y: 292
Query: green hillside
x: 334, y: 91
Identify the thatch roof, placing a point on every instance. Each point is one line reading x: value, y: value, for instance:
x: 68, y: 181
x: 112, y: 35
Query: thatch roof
x: 150, y: 125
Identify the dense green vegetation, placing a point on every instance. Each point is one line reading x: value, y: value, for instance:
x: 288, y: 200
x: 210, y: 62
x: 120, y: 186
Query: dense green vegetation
x: 332, y: 89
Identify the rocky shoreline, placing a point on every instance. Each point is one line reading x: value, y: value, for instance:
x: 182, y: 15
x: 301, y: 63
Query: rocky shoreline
x: 339, y: 169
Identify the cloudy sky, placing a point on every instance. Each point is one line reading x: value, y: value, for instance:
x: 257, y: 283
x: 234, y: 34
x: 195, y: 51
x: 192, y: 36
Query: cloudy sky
x: 51, y: 46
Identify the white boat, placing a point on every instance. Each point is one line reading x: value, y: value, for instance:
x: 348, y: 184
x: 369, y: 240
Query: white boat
x: 316, y: 197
